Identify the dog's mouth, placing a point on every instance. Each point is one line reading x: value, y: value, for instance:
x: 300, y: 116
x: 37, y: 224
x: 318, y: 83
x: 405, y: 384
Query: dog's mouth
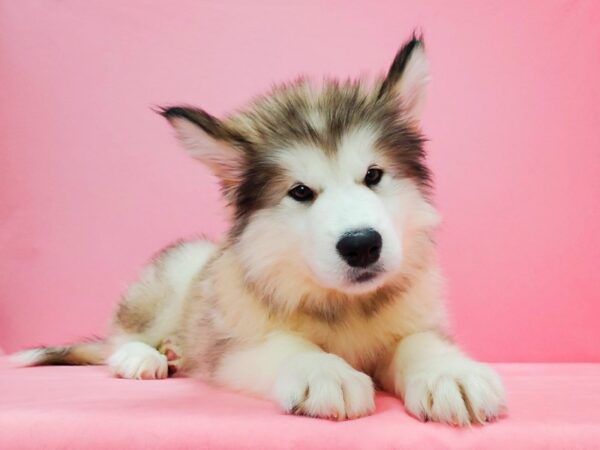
x: 364, y: 276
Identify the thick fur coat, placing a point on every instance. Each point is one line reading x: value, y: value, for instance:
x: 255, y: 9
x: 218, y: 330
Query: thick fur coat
x: 327, y: 283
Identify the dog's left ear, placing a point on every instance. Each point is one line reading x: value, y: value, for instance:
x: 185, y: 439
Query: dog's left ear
x: 408, y: 77
x: 208, y: 140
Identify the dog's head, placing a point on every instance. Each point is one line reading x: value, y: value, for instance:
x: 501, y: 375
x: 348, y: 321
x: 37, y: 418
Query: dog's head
x: 327, y: 181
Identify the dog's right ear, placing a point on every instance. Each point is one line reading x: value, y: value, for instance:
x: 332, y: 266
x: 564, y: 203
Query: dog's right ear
x: 208, y: 140
x: 408, y: 77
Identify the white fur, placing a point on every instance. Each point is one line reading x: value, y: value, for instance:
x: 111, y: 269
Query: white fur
x: 137, y: 360
x: 299, y: 376
x: 439, y: 383
x: 180, y: 268
x: 324, y: 385
x: 343, y: 204
x: 168, y: 282
x: 27, y: 358
x: 254, y: 369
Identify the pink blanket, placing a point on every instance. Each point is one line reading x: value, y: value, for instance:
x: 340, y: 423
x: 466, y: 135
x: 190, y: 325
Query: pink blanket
x: 551, y: 406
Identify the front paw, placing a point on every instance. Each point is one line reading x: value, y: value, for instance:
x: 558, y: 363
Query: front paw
x: 454, y: 390
x: 137, y: 360
x: 324, y: 385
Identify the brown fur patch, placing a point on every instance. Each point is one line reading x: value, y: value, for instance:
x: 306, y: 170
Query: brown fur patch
x: 200, y: 340
x: 133, y: 317
x: 333, y: 307
x: 91, y: 352
x: 144, y: 299
x: 336, y: 306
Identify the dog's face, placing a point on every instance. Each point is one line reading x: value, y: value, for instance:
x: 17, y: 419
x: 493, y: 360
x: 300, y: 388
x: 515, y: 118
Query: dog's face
x: 326, y: 181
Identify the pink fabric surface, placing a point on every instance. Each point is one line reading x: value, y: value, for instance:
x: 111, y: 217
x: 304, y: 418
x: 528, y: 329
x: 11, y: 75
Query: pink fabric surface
x: 551, y: 406
x: 92, y: 182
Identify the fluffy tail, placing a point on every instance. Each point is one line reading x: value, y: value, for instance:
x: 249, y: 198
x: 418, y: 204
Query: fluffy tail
x: 92, y: 352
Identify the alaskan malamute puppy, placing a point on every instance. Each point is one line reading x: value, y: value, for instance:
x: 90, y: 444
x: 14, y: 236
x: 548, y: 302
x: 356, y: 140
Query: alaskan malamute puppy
x: 327, y: 282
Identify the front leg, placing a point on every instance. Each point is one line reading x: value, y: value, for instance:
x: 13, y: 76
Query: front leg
x: 299, y: 376
x: 438, y: 382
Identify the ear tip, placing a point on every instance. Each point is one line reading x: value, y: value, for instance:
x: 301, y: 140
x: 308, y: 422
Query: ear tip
x: 170, y: 112
x: 418, y: 38
x: 163, y: 111
x: 416, y: 43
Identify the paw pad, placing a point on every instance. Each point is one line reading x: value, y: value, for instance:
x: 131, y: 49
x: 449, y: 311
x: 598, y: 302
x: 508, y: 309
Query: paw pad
x: 172, y: 353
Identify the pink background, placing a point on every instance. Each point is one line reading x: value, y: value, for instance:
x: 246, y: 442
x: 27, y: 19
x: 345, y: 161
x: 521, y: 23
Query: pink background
x: 92, y: 182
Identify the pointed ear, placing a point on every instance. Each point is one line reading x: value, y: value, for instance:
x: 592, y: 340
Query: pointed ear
x: 408, y: 77
x: 208, y: 140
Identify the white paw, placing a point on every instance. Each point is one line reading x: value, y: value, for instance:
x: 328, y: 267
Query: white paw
x: 137, y: 360
x: 324, y: 385
x: 454, y: 390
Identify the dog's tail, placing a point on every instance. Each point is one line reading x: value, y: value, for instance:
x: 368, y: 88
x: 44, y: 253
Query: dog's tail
x: 92, y: 352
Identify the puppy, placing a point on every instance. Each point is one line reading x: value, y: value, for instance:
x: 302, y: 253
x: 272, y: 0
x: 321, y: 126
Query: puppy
x: 327, y: 280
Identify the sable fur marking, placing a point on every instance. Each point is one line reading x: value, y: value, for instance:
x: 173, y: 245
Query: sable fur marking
x: 133, y: 319
x: 278, y: 309
x: 88, y: 352
x: 399, y: 65
x: 207, y: 122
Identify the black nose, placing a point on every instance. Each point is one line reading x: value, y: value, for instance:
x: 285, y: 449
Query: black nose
x: 360, y: 248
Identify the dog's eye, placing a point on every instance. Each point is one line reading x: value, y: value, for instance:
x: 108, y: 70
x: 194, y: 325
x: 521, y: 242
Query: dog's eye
x: 301, y: 193
x: 373, y: 176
